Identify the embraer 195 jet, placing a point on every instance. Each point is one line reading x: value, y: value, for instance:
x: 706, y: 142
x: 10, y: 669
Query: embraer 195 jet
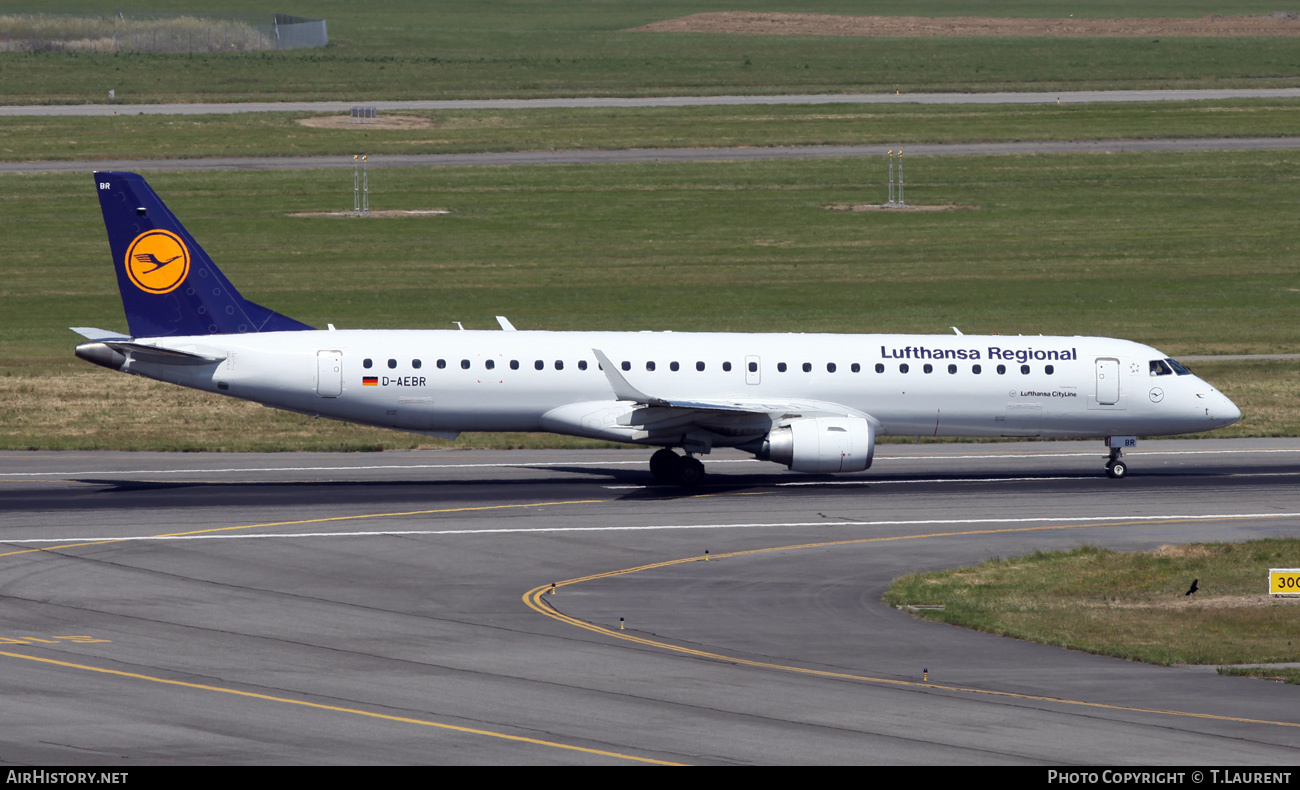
x: 814, y: 402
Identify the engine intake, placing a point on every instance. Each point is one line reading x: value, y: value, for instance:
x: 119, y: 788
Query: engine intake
x: 822, y: 444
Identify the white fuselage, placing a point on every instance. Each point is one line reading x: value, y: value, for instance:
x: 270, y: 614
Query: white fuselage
x: 445, y: 382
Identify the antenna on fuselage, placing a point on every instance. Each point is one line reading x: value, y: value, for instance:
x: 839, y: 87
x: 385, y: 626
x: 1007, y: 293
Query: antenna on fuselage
x: 955, y: 329
x: 459, y: 325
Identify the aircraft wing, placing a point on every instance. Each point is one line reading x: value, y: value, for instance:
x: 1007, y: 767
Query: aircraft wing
x: 776, y: 409
x: 636, y: 416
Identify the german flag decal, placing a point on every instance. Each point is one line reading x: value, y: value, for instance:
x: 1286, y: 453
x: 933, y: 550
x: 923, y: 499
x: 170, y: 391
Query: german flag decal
x: 370, y: 381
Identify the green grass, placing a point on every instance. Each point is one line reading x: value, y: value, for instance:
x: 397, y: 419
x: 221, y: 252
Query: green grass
x: 1284, y: 674
x: 496, y: 48
x: 1126, y: 604
x: 1192, y: 253
x: 278, y: 134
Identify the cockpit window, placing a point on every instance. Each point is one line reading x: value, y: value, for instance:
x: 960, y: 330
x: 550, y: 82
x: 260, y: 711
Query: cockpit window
x: 1159, y: 368
x: 1179, y: 369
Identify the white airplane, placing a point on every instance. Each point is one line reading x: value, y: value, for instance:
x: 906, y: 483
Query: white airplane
x: 814, y: 402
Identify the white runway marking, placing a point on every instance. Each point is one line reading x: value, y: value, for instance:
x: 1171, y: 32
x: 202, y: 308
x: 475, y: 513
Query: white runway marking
x: 665, y: 527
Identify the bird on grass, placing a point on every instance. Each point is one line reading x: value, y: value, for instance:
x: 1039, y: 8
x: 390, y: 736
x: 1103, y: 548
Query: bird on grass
x: 1193, y: 588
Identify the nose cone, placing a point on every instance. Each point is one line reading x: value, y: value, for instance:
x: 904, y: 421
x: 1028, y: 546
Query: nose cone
x: 1225, y: 412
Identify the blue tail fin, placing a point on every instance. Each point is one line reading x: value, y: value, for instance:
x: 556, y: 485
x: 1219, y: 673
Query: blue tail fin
x: 169, y: 284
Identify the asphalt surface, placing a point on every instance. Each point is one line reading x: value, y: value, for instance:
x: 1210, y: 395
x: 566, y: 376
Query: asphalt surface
x: 653, y: 155
x: 395, y: 607
x: 1028, y: 97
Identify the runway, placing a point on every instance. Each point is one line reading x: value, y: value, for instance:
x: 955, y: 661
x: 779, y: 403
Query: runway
x: 397, y: 608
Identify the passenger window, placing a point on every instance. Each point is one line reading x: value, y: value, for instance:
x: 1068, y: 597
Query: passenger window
x: 780, y: 367
x: 674, y: 367
x: 1024, y: 369
x: 514, y: 364
x: 977, y: 369
x: 699, y: 366
x: 442, y: 363
x: 726, y: 367
x: 559, y: 364
x: 627, y: 365
x: 880, y: 368
x: 415, y: 363
x: 903, y: 368
x: 392, y: 364
x: 489, y: 364
x: 1002, y: 370
x: 830, y: 367
x: 539, y: 365
x: 807, y: 367
x: 366, y: 363
x: 650, y: 366
x: 928, y: 368
x: 952, y: 368
x: 582, y: 364
x: 464, y: 364
x: 1049, y: 370
x: 856, y: 368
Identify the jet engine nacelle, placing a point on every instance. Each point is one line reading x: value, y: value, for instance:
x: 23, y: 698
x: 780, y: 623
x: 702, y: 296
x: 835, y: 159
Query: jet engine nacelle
x: 822, y: 444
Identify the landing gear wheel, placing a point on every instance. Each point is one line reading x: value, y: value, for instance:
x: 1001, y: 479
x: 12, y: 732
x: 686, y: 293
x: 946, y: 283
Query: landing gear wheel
x: 689, y: 472
x: 1116, y: 470
x: 663, y: 463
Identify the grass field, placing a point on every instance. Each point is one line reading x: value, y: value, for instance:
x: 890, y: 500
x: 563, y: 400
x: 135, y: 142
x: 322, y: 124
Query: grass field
x: 279, y: 134
x: 497, y: 48
x: 1192, y: 253
x: 1126, y: 604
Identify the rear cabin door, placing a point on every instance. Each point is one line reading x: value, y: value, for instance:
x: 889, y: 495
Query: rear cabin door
x: 329, y: 374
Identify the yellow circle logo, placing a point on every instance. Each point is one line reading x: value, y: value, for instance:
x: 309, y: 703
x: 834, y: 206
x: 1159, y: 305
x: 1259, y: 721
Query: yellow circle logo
x: 157, y: 261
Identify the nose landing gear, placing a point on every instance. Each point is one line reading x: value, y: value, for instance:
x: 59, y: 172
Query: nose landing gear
x: 1116, y: 468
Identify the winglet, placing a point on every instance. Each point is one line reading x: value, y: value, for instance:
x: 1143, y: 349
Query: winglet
x: 622, y: 389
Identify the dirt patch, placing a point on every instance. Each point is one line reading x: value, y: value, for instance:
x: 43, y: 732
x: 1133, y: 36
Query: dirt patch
x: 355, y: 124
x: 769, y: 24
x: 416, y: 212
x: 887, y: 207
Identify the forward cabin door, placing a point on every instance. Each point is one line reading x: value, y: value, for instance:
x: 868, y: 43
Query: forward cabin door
x: 329, y: 374
x: 1107, y: 381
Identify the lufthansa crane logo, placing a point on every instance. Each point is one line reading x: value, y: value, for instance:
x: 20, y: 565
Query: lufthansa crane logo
x: 157, y: 261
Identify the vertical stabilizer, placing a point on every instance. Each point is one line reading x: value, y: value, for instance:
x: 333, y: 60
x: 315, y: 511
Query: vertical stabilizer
x: 169, y: 284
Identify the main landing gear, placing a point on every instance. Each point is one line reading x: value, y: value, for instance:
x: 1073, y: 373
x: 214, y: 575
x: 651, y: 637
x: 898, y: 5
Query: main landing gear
x: 1116, y: 468
x: 669, y: 467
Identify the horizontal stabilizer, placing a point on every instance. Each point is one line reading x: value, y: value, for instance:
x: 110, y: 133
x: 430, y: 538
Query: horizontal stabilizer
x: 92, y: 333
x: 116, y: 354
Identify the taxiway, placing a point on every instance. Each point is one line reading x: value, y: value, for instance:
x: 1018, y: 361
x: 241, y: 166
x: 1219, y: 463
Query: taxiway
x: 397, y: 608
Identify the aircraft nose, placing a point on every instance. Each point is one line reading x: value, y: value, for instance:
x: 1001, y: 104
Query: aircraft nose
x: 1221, y: 410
